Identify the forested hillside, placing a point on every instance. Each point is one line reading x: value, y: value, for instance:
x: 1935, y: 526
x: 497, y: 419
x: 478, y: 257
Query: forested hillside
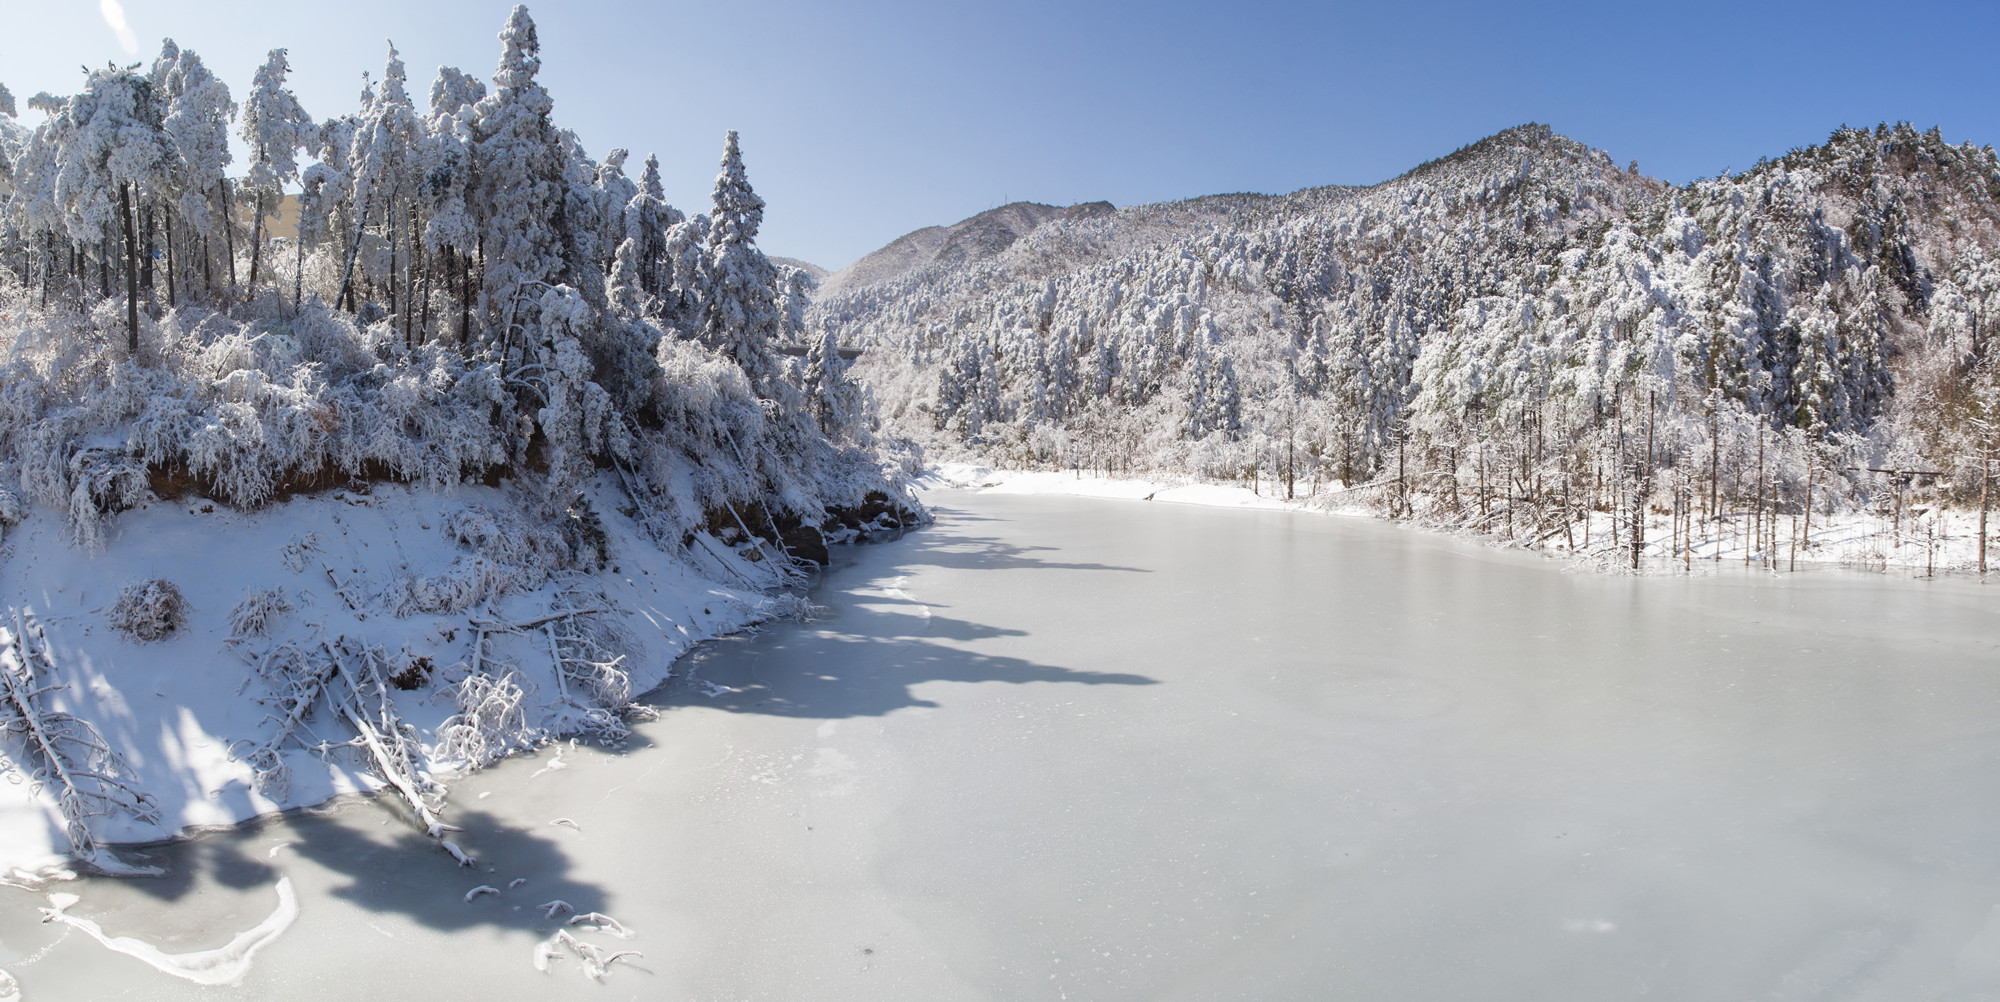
x: 1505, y: 337
x: 458, y: 470
x: 473, y: 297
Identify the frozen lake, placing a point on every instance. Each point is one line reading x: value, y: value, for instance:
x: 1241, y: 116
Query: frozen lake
x: 1068, y: 748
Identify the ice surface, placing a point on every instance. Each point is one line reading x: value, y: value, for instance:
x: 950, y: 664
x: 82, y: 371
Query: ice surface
x: 225, y: 965
x: 1146, y: 751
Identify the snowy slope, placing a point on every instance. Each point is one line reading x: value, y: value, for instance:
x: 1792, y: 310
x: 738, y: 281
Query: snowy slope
x: 186, y: 713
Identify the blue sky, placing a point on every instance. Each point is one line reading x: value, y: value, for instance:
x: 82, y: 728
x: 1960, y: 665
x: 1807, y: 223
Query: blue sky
x: 861, y: 122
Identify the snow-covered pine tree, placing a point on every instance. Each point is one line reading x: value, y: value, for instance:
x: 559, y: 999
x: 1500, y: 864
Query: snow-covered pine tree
x: 197, y: 112
x: 111, y: 151
x: 740, y: 312
x: 453, y: 91
x: 686, y: 269
x: 519, y: 191
x: 451, y: 231
x: 813, y: 380
x: 275, y: 127
x: 380, y: 172
x: 654, y: 217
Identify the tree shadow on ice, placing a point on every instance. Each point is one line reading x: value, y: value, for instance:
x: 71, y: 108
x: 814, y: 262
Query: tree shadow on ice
x: 824, y: 674
x: 989, y: 554
x: 389, y: 866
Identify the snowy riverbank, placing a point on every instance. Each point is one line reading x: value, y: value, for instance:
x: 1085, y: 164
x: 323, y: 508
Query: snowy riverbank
x: 432, y: 616
x: 1075, y: 484
x: 1919, y: 541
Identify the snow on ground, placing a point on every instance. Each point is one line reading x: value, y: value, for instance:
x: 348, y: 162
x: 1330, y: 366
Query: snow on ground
x: 1077, y: 484
x: 1921, y: 539
x: 1926, y: 541
x: 186, y: 713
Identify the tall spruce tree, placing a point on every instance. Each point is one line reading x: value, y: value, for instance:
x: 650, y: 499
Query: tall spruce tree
x: 518, y: 166
x: 740, y: 310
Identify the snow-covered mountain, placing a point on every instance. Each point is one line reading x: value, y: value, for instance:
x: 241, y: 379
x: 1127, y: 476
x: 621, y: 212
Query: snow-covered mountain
x: 968, y: 241
x: 813, y: 271
x: 1522, y: 308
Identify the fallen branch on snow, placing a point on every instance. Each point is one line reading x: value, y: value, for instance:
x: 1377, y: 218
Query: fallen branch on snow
x: 64, y: 751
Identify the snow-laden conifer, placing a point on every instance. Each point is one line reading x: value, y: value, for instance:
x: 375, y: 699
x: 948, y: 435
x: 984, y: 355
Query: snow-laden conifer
x: 739, y: 308
x: 520, y: 189
x: 275, y: 127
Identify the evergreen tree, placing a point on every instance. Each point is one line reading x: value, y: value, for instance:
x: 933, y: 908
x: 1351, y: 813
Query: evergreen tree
x: 740, y: 310
x: 111, y: 151
x: 454, y: 91
x: 197, y: 113
x: 275, y: 127
x: 519, y: 193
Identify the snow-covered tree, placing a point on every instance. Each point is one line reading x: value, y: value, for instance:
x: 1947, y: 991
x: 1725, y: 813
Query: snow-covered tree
x: 275, y: 127
x: 519, y: 191
x: 111, y: 150
x: 739, y: 301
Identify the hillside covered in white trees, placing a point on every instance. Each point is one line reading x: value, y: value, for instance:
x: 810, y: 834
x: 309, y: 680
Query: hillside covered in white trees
x: 456, y: 471
x: 1521, y: 338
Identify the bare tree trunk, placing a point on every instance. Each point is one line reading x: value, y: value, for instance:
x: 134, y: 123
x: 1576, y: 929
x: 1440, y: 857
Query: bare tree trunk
x: 299, y: 276
x: 1714, y: 470
x: 391, y: 233
x: 256, y: 242
x: 167, y: 220
x: 1291, y: 443
x: 146, y: 257
x: 229, y: 229
x: 1402, y: 493
x: 353, y: 249
x: 464, y: 299
x: 1985, y: 492
x: 1805, y: 526
x: 424, y: 294
x: 131, y: 274
x: 410, y: 284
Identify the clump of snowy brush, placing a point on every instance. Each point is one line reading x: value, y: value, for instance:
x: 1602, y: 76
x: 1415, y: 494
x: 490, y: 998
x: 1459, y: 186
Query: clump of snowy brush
x: 259, y: 609
x: 151, y: 610
x: 469, y: 296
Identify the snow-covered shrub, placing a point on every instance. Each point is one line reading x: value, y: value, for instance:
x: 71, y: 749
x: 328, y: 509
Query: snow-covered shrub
x: 12, y: 510
x: 149, y: 611
x: 794, y: 607
x: 103, y: 483
x: 259, y: 609
x: 587, y: 646
x: 295, y: 551
x: 507, y: 553
x: 491, y: 722
x: 585, y: 533
x: 504, y: 537
x: 411, y: 671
